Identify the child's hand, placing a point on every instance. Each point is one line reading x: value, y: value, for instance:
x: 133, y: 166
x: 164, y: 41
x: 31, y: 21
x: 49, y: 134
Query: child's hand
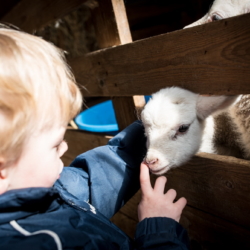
x: 154, y: 202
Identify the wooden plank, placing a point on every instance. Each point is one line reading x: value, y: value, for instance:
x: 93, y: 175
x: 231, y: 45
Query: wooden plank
x: 218, y: 185
x: 125, y: 223
x: 79, y: 142
x: 125, y: 111
x: 215, y: 184
x: 218, y: 194
x: 205, y: 230
x: 30, y: 15
x: 105, y: 25
x: 111, y: 25
x: 127, y: 218
x: 209, y: 232
x: 208, y: 59
x: 122, y: 21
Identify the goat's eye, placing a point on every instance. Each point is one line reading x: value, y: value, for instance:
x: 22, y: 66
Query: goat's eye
x: 216, y: 17
x: 183, y: 128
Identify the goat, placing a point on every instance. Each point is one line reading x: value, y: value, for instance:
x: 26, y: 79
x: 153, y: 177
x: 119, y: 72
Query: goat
x: 178, y: 123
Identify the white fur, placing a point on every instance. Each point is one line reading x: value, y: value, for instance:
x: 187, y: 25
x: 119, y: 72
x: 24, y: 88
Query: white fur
x: 165, y: 113
x: 224, y: 9
x: 207, y: 144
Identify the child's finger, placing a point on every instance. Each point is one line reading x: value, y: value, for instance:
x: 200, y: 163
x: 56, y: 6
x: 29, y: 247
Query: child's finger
x: 145, y: 179
x: 160, y: 184
x: 171, y: 194
x: 181, y: 203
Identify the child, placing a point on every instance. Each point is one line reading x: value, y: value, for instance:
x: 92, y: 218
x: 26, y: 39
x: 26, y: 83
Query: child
x: 46, y: 206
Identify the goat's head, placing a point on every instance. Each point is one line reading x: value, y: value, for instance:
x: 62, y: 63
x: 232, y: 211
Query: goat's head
x: 174, y: 123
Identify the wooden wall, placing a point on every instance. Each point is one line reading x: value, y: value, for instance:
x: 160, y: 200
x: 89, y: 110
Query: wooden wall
x: 214, y: 59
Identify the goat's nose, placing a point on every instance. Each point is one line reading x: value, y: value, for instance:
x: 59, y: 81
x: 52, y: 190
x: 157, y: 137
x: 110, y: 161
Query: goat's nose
x: 151, y: 161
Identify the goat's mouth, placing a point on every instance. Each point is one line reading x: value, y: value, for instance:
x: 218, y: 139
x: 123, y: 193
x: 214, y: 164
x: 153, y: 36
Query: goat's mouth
x: 159, y: 171
x: 162, y: 170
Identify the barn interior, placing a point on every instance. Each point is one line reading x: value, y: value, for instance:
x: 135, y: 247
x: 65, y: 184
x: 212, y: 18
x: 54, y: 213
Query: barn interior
x: 152, y: 51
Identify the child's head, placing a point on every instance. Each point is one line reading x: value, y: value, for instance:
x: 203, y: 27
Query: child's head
x: 37, y: 91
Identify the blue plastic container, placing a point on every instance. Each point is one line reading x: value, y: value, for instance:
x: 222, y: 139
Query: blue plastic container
x: 99, y: 118
x: 147, y: 98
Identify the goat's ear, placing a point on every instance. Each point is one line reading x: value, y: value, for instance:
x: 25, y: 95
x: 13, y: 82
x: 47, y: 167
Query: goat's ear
x: 207, y: 105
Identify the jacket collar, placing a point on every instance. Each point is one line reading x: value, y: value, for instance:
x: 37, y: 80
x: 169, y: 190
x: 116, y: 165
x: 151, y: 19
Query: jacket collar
x: 19, y: 203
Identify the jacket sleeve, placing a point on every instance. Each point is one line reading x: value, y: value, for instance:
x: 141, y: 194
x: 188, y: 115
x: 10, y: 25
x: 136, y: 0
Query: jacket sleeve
x: 161, y: 233
x: 108, y: 176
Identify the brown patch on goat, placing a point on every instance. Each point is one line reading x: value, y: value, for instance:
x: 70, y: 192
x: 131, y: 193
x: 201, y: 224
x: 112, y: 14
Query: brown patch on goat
x: 242, y: 108
x: 227, y: 136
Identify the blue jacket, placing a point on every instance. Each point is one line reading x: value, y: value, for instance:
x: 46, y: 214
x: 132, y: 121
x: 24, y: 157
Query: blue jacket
x: 61, y: 217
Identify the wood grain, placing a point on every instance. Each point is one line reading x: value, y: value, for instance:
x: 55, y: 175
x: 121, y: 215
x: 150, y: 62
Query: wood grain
x: 208, y: 232
x: 205, y: 231
x: 210, y: 59
x: 218, y: 194
x: 218, y: 185
x: 30, y: 15
x: 105, y: 24
x: 125, y: 222
x: 111, y: 25
x: 125, y: 111
x: 122, y: 21
x: 215, y: 184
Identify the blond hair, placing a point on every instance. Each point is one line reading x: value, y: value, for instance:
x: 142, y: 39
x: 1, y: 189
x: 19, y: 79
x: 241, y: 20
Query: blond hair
x: 37, y: 90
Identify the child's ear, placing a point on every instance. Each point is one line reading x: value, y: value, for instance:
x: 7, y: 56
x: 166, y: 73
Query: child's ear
x: 1, y: 165
x: 3, y: 177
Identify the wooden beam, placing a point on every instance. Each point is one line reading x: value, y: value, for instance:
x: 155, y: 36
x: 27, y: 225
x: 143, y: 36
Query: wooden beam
x: 215, y: 184
x: 209, y: 59
x: 125, y: 111
x: 111, y: 25
x: 30, y: 15
x: 204, y: 230
x: 210, y: 232
x: 122, y: 21
x: 218, y: 194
